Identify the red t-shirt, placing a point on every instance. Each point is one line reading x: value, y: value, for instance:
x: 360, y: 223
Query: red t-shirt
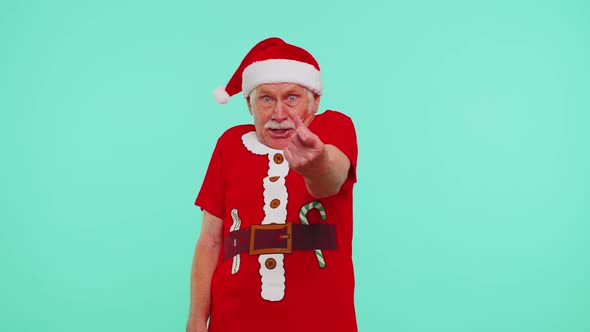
x: 293, y: 293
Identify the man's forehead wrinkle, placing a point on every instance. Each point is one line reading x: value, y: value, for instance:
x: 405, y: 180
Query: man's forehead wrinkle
x: 279, y: 89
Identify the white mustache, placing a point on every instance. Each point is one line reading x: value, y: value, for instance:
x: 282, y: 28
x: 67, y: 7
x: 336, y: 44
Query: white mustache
x: 272, y: 124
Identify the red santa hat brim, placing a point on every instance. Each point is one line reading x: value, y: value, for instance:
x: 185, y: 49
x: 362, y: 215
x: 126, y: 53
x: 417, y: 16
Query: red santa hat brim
x: 281, y: 71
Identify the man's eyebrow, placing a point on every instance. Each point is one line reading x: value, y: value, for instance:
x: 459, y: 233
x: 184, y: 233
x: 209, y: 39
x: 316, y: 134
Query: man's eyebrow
x: 263, y: 92
x: 293, y: 92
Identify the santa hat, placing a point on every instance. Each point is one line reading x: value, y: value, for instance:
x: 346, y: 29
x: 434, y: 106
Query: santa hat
x: 272, y: 61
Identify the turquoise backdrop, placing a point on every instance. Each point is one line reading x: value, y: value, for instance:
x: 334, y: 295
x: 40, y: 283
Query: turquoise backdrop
x: 472, y: 207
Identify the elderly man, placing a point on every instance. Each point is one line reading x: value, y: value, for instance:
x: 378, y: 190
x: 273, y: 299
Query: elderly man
x: 275, y: 249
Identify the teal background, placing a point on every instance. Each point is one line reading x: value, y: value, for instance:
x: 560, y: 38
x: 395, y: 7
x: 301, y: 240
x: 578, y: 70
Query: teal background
x: 472, y: 206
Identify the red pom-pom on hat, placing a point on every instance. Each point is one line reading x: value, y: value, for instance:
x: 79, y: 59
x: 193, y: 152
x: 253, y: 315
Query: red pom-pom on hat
x: 220, y: 95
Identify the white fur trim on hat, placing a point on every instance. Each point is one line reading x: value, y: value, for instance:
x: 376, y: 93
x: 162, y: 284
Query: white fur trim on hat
x: 220, y: 95
x: 281, y: 71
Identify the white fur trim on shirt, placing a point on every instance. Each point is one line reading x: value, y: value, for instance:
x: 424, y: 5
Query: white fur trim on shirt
x: 273, y: 280
x: 251, y: 142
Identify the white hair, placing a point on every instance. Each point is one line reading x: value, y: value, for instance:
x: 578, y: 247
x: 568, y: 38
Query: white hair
x: 310, y: 96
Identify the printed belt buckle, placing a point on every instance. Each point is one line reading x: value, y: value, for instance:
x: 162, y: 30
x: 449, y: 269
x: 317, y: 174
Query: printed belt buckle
x: 280, y: 250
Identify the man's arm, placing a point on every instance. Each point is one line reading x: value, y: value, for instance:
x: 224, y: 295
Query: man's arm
x: 323, y: 166
x: 204, y: 263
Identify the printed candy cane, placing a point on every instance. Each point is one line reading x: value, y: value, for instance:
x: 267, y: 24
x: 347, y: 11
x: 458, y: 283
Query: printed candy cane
x: 234, y: 227
x: 303, y: 218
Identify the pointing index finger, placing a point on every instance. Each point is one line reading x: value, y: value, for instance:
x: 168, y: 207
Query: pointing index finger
x: 298, y: 122
x: 306, y: 136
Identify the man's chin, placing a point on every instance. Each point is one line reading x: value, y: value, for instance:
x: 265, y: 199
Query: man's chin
x: 277, y: 143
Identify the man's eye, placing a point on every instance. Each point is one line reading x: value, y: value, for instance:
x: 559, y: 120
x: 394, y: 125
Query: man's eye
x: 292, y: 98
x: 266, y: 98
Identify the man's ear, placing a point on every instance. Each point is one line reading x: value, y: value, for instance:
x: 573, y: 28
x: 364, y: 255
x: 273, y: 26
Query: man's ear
x: 316, y: 104
x: 249, y: 106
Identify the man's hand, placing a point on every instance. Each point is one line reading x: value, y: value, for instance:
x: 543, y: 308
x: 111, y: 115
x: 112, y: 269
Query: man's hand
x: 204, y: 263
x: 323, y: 166
x: 193, y: 326
x: 306, y: 153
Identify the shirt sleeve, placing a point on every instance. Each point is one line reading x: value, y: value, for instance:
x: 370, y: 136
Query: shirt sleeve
x: 211, y: 197
x: 338, y: 130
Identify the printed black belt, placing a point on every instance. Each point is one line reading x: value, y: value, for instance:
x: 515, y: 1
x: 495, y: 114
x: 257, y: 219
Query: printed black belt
x: 279, y: 238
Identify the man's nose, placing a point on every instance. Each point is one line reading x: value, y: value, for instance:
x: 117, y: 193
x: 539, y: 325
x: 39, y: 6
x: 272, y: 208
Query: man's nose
x: 280, y: 112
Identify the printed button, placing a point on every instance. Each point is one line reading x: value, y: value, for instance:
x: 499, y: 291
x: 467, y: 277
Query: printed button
x: 274, y: 178
x: 275, y: 203
x: 270, y: 263
x: 278, y: 158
